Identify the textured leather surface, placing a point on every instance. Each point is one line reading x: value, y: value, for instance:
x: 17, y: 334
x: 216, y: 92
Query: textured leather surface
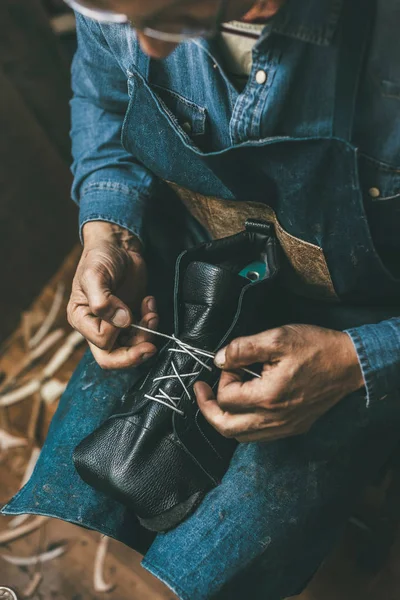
x: 152, y: 459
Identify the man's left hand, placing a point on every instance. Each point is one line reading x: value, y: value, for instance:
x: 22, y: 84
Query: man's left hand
x: 306, y: 371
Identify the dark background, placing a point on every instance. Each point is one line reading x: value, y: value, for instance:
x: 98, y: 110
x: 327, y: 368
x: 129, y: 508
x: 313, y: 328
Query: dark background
x: 38, y: 221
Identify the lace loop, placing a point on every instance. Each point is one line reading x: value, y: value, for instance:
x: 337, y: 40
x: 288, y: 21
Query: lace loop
x: 162, y: 397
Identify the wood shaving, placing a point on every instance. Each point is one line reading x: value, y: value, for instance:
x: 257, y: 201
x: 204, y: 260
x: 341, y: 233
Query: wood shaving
x: 52, y: 390
x: 56, y: 362
x: 34, y: 416
x: 8, y: 441
x: 32, y: 586
x: 32, y: 358
x: 51, y: 316
x: 10, y: 536
x: 98, y: 577
x: 48, y: 342
x: 26, y: 325
x: 20, y: 393
x: 19, y: 519
x: 62, y: 355
x: 30, y: 466
x: 29, y: 561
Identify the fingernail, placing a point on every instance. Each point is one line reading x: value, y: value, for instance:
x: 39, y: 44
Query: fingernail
x: 146, y: 356
x: 151, y: 305
x: 220, y: 358
x: 197, y: 387
x: 153, y: 324
x: 121, y: 318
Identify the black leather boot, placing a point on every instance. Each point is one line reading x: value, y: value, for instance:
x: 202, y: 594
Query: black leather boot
x: 158, y: 455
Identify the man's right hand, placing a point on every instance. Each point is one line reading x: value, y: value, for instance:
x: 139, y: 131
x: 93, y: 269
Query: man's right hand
x: 108, y: 294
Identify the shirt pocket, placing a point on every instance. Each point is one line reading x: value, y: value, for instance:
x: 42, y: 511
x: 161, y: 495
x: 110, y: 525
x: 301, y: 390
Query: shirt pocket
x: 190, y: 117
x: 380, y: 184
x: 187, y: 118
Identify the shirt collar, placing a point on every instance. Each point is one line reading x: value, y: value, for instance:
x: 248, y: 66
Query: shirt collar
x: 312, y: 21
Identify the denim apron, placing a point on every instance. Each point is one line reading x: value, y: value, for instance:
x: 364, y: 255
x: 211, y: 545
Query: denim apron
x: 308, y: 187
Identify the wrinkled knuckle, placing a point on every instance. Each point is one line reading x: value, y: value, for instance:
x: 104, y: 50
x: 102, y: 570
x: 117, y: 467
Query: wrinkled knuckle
x: 99, y: 306
x: 234, y: 350
x: 277, y: 337
x: 238, y: 348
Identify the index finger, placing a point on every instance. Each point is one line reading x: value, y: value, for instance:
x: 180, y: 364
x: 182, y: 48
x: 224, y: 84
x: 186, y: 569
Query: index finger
x: 123, y: 357
x: 229, y: 425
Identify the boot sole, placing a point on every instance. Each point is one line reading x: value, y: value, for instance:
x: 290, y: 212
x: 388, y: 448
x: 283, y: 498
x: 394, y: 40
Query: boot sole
x: 172, y: 517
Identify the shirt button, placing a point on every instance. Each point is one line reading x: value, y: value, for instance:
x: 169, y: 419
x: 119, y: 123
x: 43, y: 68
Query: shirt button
x: 187, y: 128
x: 374, y: 192
x: 261, y: 77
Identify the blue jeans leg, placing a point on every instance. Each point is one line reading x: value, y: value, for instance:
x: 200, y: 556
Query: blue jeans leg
x: 280, y: 508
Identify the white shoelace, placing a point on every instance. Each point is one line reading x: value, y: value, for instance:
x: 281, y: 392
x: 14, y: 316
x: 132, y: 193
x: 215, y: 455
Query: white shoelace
x: 162, y: 397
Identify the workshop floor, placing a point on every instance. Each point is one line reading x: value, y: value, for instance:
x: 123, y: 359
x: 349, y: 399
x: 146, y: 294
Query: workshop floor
x: 70, y: 577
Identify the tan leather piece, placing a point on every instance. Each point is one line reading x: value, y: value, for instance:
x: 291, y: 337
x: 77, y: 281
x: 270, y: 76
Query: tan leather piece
x: 306, y: 273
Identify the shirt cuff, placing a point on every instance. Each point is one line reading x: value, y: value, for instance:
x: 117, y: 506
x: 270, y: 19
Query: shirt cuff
x: 378, y: 351
x: 113, y: 202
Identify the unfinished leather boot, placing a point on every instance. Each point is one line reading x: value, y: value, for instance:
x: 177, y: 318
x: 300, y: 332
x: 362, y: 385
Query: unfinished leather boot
x: 158, y: 455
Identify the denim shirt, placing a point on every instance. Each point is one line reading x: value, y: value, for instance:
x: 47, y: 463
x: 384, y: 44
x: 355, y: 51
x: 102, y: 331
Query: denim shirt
x: 113, y: 184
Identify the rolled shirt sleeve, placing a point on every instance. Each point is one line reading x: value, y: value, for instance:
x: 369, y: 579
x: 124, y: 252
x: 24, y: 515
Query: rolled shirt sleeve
x: 109, y: 183
x: 378, y: 350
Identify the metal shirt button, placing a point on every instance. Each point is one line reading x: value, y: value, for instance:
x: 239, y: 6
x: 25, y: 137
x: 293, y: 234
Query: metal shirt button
x: 261, y: 77
x: 187, y: 128
x: 374, y: 192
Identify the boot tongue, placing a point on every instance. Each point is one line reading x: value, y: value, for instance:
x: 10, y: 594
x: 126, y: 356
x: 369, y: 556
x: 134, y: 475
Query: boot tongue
x: 209, y: 300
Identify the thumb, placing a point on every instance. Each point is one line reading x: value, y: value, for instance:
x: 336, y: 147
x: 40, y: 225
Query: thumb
x: 102, y: 302
x: 245, y: 351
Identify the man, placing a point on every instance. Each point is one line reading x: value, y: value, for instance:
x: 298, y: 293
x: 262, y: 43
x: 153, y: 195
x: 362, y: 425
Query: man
x: 308, y: 133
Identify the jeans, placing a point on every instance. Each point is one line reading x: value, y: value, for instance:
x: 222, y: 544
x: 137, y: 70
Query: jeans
x: 263, y: 531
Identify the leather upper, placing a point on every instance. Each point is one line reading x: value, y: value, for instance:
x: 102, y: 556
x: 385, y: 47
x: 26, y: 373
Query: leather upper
x: 148, y: 455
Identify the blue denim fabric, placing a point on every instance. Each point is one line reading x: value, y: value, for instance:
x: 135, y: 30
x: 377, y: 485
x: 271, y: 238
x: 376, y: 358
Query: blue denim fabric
x: 262, y: 533
x: 298, y: 49
x: 379, y: 361
x: 280, y: 507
